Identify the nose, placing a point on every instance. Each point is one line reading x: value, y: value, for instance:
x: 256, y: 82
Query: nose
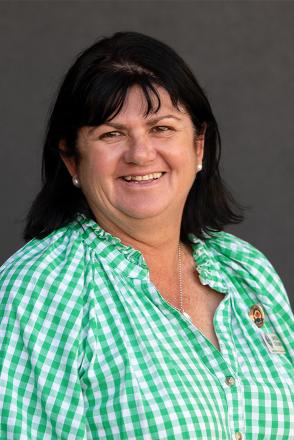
x: 140, y: 151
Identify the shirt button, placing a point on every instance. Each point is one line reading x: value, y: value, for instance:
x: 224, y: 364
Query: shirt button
x: 238, y: 436
x: 230, y: 381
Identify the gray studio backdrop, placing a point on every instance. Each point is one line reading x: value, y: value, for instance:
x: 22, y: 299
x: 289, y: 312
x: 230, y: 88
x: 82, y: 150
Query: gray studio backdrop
x: 241, y: 52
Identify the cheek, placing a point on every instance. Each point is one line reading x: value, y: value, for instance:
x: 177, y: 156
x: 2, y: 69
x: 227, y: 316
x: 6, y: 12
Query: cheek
x: 96, y: 167
x: 188, y: 168
x: 184, y: 159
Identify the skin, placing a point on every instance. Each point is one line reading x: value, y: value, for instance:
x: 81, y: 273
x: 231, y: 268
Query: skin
x: 147, y: 215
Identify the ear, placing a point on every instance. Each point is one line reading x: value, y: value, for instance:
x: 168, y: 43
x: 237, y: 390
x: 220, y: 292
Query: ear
x: 199, y: 144
x: 69, y: 161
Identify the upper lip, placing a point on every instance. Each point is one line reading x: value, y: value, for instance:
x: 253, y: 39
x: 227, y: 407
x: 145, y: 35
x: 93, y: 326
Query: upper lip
x: 141, y: 174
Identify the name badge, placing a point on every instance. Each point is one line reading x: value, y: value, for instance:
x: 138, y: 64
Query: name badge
x: 273, y: 343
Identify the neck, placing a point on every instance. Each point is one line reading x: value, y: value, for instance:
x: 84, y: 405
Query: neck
x: 156, y: 239
x: 159, y: 243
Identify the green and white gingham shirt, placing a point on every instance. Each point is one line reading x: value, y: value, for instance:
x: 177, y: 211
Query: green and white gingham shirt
x: 90, y: 350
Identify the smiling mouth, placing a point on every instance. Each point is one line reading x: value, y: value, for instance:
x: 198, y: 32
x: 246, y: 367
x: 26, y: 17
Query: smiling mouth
x: 144, y: 178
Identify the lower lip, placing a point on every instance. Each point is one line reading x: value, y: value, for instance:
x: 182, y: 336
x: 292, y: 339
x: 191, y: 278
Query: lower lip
x: 142, y: 183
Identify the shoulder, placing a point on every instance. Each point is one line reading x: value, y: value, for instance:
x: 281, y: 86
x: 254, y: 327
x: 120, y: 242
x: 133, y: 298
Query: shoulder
x: 249, y: 264
x: 42, y: 301
x: 239, y: 253
x: 46, y: 264
x: 233, y: 248
x: 43, y: 295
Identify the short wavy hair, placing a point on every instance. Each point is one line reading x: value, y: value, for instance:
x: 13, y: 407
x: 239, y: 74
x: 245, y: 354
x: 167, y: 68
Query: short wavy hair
x: 92, y: 92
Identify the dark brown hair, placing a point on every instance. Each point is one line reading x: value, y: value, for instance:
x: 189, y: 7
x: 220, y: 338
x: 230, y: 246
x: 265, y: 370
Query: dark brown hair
x: 93, y: 91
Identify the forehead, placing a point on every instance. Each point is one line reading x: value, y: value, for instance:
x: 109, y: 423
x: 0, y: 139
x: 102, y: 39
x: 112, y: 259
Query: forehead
x: 137, y: 110
x: 136, y: 104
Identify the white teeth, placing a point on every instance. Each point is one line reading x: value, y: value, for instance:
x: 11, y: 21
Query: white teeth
x: 146, y: 177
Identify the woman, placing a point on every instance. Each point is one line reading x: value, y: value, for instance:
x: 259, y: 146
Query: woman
x: 130, y: 313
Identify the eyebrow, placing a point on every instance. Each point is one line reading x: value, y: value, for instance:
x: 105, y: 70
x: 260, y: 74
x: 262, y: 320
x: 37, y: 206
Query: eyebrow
x: 149, y: 122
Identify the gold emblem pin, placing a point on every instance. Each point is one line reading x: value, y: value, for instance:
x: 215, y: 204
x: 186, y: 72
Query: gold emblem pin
x: 256, y: 313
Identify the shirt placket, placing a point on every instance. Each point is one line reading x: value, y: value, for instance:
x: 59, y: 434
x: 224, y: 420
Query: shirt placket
x: 224, y: 366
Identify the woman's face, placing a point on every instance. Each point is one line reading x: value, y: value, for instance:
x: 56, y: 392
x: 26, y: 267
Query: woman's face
x: 138, y: 167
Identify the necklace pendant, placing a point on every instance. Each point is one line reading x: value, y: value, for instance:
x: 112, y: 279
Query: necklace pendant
x: 187, y: 316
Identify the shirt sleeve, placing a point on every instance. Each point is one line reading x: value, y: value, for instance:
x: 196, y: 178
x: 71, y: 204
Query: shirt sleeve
x: 40, y: 326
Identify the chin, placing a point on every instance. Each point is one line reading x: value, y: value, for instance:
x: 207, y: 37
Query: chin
x: 139, y: 215
x: 143, y: 212
x: 141, y: 209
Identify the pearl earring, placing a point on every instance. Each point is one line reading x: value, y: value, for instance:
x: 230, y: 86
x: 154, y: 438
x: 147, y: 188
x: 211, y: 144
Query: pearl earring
x: 199, y: 167
x: 75, y: 181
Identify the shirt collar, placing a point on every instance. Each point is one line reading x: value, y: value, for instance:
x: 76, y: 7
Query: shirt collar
x: 134, y: 265
x: 207, y: 265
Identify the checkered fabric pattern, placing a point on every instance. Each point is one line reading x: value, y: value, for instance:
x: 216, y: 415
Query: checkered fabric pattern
x: 90, y: 350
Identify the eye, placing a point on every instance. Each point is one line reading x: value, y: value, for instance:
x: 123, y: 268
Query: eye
x: 110, y: 135
x: 162, y: 128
